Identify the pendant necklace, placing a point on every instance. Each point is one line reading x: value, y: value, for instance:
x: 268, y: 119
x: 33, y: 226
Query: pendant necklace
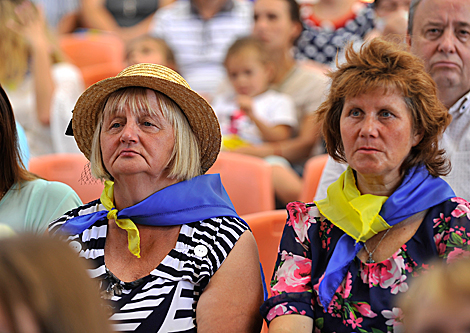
x: 370, y: 260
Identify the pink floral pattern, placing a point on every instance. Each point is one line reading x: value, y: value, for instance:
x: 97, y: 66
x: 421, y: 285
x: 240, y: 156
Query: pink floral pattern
x: 364, y: 300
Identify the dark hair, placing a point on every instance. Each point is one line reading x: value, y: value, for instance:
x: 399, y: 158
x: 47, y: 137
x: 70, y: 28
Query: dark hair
x: 411, y: 15
x: 248, y: 43
x: 386, y: 65
x: 294, y: 11
x: 13, y: 170
x: 44, y: 277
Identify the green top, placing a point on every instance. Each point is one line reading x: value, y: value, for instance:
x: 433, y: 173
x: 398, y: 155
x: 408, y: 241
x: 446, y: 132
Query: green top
x: 33, y: 205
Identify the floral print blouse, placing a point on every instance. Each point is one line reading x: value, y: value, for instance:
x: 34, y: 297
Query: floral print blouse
x: 365, y: 301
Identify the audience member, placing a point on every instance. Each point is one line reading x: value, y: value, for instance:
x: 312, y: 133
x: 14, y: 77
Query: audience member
x: 343, y: 261
x: 251, y: 113
x: 23, y: 145
x: 62, y: 16
x: 152, y: 50
x: 163, y: 227
x: 278, y: 25
x: 26, y: 202
x: 44, y: 288
x: 200, y: 33
x: 391, y: 18
x: 438, y: 301
x: 329, y: 25
x: 128, y: 19
x: 446, y: 55
x: 41, y: 86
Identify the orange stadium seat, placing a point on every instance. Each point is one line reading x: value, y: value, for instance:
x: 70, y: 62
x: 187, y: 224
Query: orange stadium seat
x: 311, y: 178
x: 68, y: 169
x: 247, y: 180
x: 97, y: 54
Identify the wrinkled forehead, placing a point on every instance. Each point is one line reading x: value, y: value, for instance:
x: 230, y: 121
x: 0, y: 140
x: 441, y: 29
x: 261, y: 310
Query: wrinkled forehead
x: 442, y: 12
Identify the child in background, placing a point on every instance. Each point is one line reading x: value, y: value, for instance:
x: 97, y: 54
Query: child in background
x: 148, y: 49
x: 252, y: 113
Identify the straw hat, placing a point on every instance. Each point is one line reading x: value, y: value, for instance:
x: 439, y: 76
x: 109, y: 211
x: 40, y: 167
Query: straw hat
x: 199, y: 113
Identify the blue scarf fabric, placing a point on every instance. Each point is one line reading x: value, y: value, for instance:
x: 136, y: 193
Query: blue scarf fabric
x: 188, y: 201
x: 199, y: 198
x: 419, y: 191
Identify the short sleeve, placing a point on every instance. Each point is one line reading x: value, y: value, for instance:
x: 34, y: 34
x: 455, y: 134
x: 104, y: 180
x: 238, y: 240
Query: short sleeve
x: 48, y: 201
x: 452, y: 230
x: 291, y: 284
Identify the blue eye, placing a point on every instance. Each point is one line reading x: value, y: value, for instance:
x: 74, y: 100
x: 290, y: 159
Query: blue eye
x: 386, y: 114
x: 146, y: 123
x: 355, y: 113
x: 115, y: 125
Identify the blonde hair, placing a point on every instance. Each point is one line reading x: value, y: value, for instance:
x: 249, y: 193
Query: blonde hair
x: 14, y: 49
x: 48, y: 281
x: 185, y: 160
x: 441, y: 285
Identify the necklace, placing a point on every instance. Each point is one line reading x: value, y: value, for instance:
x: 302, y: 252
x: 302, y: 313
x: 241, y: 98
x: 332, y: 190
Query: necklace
x: 370, y: 260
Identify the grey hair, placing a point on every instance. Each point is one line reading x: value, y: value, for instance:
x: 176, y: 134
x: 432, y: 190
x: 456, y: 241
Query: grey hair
x: 411, y: 14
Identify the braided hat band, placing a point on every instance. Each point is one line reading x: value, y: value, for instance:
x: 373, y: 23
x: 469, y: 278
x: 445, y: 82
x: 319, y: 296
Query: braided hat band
x: 197, y: 110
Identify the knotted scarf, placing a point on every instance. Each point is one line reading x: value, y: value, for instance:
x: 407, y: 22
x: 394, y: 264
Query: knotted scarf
x: 188, y: 201
x: 418, y: 191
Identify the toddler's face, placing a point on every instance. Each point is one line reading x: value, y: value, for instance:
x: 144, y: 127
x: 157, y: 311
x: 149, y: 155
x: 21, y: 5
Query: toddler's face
x: 248, y: 75
x: 146, y: 51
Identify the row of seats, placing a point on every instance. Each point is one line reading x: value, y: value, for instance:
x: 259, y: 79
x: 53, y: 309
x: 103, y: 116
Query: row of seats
x: 98, y: 55
x: 247, y: 179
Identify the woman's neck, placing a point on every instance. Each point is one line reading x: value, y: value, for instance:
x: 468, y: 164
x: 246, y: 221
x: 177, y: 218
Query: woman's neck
x: 331, y: 10
x: 284, y: 62
x: 129, y: 191
x: 378, y: 185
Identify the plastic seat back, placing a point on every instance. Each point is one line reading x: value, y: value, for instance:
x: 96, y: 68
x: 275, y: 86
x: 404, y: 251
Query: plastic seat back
x: 312, y: 173
x: 68, y: 169
x: 247, y: 180
x: 267, y: 229
x: 91, y: 48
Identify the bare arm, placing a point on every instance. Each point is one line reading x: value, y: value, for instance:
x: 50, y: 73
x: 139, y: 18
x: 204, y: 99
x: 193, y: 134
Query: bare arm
x: 268, y: 133
x: 32, y: 26
x: 231, y: 301
x: 295, y: 149
x: 96, y: 16
x: 291, y: 323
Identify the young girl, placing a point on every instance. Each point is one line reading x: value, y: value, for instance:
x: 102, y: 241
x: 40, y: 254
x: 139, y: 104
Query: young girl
x: 252, y: 113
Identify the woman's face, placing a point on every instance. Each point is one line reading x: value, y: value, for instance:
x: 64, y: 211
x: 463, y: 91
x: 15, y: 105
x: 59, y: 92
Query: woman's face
x: 137, y: 143
x: 377, y: 133
x: 273, y: 24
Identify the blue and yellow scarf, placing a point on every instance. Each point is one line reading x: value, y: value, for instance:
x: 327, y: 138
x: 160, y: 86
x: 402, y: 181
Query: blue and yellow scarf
x: 363, y: 216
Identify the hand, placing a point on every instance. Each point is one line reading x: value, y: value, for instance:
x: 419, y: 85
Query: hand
x: 246, y: 105
x: 30, y: 23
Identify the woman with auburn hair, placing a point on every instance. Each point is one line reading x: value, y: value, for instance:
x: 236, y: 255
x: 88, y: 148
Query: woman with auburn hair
x: 27, y: 203
x: 344, y: 260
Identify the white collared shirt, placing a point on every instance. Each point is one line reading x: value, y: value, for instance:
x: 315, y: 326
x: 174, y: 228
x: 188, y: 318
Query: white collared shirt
x: 456, y: 142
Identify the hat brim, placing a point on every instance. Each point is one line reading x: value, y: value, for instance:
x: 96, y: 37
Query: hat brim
x: 197, y: 110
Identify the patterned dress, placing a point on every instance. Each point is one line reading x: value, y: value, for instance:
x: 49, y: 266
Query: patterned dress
x: 322, y: 43
x: 366, y: 299
x: 166, y: 299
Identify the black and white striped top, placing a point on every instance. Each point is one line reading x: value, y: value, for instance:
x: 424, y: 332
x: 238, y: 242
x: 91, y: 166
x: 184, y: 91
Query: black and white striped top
x: 166, y: 299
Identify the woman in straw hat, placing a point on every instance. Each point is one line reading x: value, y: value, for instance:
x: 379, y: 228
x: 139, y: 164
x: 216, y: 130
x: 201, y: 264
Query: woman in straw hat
x: 164, y: 239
